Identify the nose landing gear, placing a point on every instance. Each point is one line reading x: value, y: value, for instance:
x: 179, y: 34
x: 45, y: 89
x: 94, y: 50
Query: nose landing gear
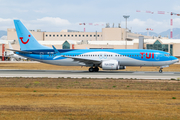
x: 91, y: 69
x: 160, y: 70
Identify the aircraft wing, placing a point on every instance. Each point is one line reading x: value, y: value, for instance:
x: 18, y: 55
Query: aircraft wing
x: 79, y: 59
x: 85, y: 60
x: 18, y: 51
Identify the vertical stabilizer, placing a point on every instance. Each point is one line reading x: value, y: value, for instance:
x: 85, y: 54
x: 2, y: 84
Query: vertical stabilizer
x: 26, y: 39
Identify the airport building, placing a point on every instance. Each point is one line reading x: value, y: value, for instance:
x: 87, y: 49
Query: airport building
x: 109, y: 38
x: 81, y: 40
x: 107, y: 34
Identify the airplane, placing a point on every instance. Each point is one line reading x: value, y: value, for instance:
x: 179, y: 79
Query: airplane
x: 107, y: 59
x: 14, y: 56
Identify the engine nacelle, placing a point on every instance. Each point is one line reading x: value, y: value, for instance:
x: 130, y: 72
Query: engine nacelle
x: 110, y: 65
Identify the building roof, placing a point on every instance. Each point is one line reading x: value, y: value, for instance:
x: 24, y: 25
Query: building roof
x: 3, y: 41
x: 110, y: 42
x: 146, y: 41
x: 57, y: 42
x: 51, y: 42
x: 163, y: 41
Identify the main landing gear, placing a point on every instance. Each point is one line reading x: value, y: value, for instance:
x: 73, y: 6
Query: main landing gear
x: 95, y: 69
x: 160, y: 70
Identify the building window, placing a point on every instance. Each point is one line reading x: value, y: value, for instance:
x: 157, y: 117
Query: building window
x: 61, y: 35
x: 75, y: 35
x: 79, y: 35
x: 64, y: 35
x: 171, y: 49
x: 66, y: 45
x: 68, y: 35
x: 53, y: 35
x: 86, y: 35
x: 49, y: 35
x: 46, y: 35
x: 57, y: 35
x: 158, y: 46
x: 98, y: 35
x: 94, y: 35
x: 90, y: 35
x: 83, y: 35
x: 71, y: 35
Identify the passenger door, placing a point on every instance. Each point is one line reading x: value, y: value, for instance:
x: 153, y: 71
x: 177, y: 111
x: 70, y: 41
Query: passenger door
x: 41, y: 55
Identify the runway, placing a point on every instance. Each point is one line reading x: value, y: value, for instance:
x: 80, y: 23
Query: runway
x: 86, y: 74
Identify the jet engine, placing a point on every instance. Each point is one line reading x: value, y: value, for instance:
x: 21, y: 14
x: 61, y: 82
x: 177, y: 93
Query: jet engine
x: 110, y: 65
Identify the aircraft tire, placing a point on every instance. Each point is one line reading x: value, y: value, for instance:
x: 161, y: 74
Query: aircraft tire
x: 160, y: 71
x: 91, y: 69
x: 96, y: 69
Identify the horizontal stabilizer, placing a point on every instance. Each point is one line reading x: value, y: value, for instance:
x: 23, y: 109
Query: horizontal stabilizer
x: 19, y: 51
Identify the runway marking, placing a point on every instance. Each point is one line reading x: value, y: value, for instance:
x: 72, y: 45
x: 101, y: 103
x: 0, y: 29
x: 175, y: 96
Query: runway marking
x: 86, y: 74
x: 167, y: 73
x: 139, y: 72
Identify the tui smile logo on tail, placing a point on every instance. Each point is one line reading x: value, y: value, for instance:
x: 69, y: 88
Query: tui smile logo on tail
x: 21, y: 38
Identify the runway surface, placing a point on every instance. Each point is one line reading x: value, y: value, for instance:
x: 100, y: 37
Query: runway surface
x: 86, y: 74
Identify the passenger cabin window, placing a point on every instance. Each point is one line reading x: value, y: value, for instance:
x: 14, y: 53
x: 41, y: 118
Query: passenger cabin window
x: 167, y: 55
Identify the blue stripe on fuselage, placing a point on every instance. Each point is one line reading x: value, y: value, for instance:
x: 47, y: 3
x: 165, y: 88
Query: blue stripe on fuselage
x: 48, y: 54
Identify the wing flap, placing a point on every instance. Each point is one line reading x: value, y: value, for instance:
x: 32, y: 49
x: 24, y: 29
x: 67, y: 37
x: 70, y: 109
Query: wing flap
x: 85, y: 60
x: 79, y: 59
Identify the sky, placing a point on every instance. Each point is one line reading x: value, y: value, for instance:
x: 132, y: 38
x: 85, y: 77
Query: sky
x: 56, y: 15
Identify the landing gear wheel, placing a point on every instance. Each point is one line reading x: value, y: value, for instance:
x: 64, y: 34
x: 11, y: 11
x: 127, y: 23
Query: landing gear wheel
x: 91, y: 69
x: 160, y: 71
x: 96, y: 69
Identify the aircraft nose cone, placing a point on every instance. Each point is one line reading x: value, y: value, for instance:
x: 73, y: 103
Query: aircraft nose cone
x: 177, y: 60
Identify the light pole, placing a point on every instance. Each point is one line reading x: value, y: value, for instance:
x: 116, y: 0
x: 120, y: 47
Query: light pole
x: 126, y: 17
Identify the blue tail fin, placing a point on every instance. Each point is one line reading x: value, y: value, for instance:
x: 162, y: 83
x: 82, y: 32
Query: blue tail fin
x: 26, y: 39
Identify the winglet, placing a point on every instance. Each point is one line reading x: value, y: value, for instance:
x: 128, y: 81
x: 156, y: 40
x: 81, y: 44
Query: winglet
x: 55, y: 50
